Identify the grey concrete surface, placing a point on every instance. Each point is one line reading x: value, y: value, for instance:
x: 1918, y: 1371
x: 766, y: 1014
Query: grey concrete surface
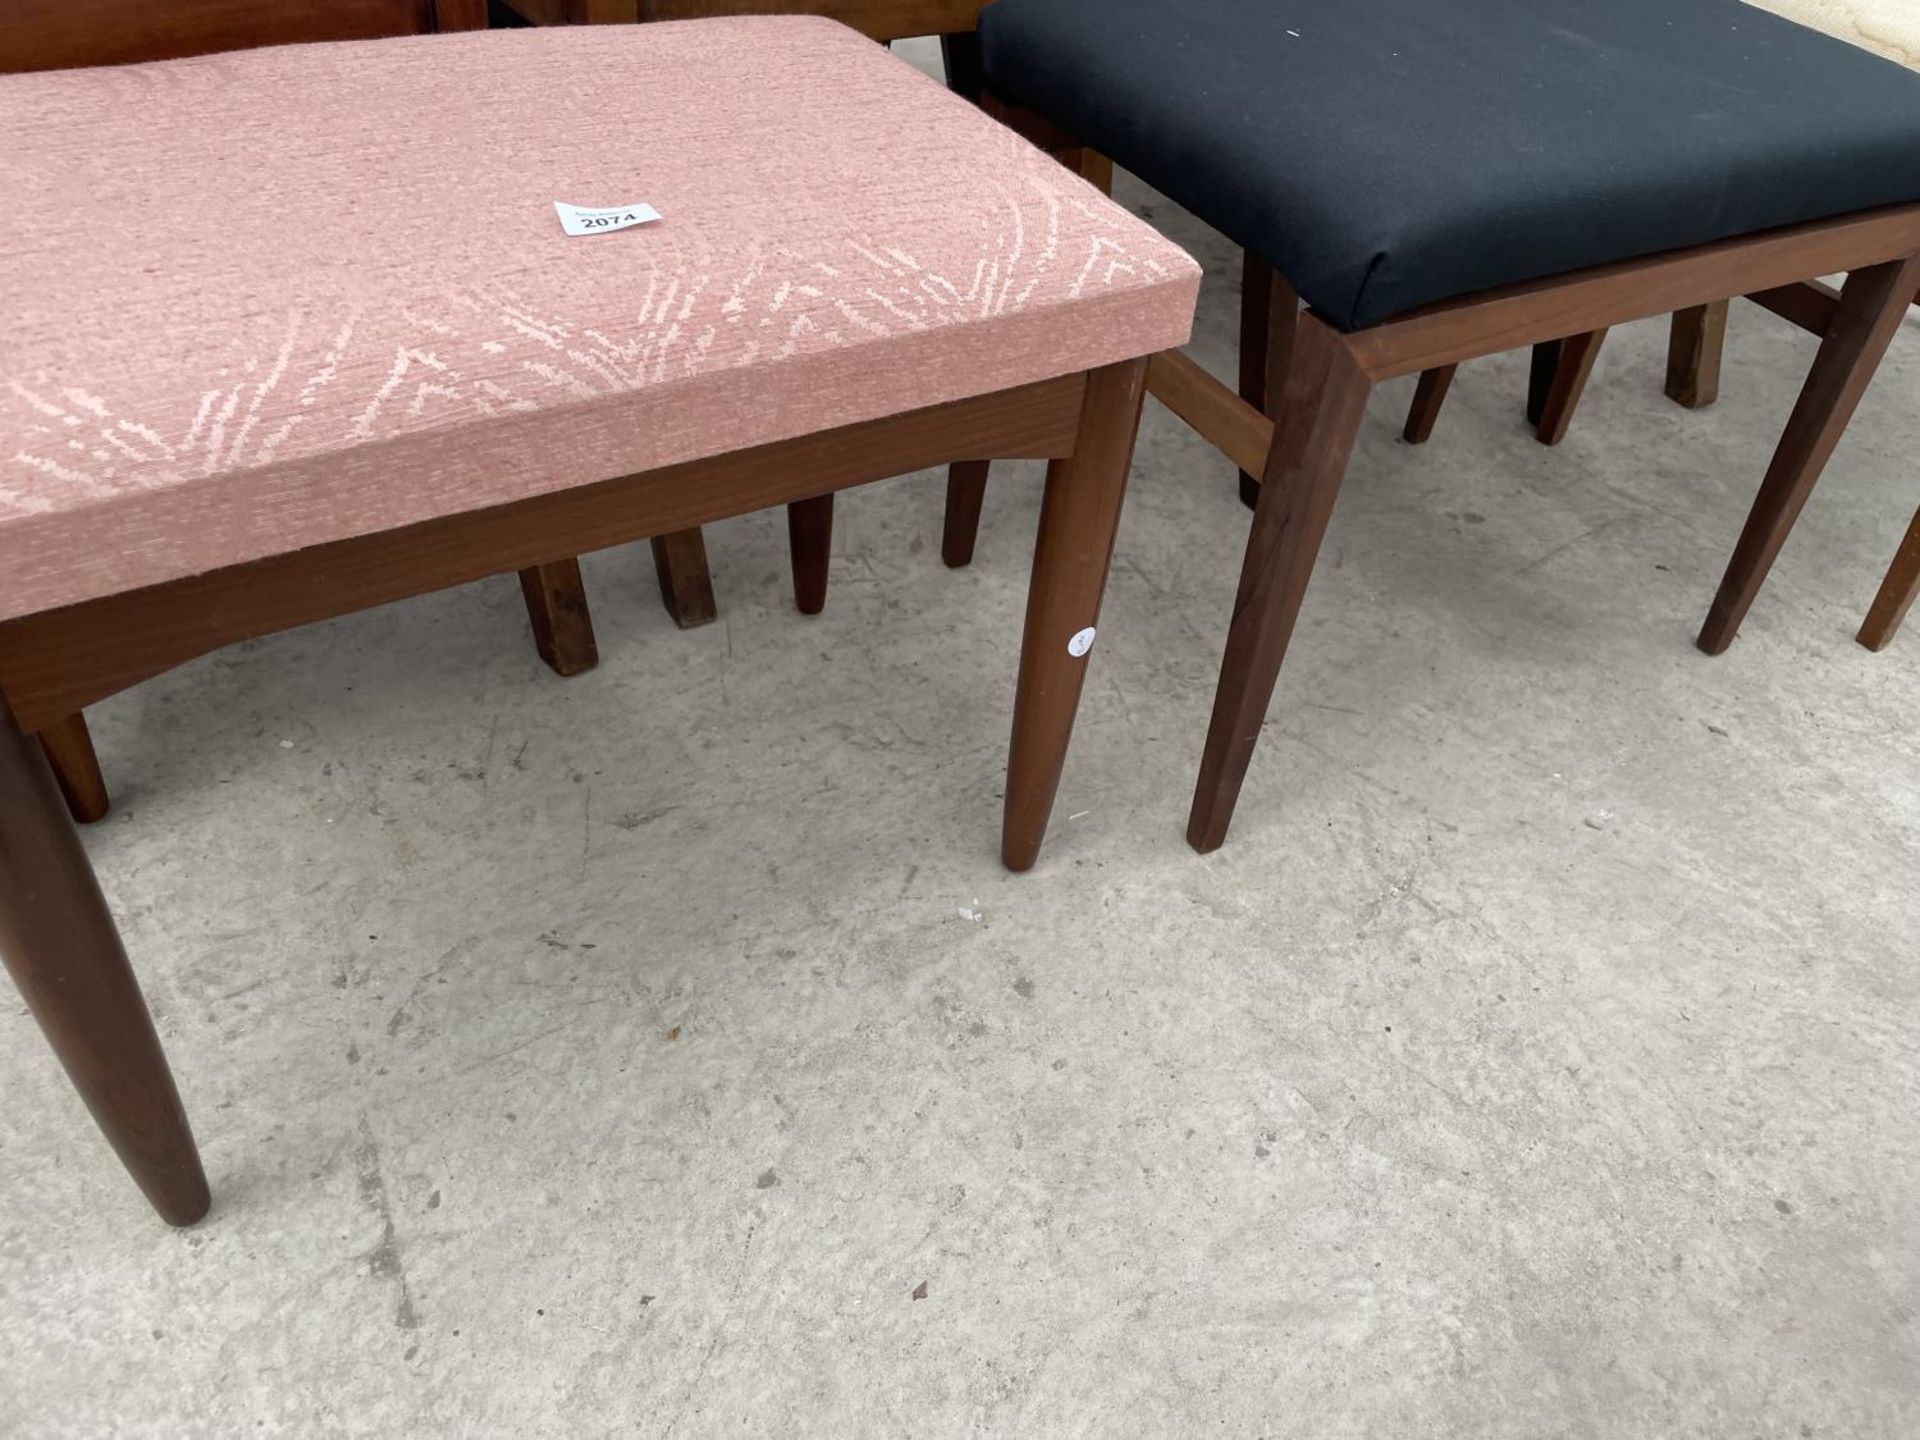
x: 623, y: 1055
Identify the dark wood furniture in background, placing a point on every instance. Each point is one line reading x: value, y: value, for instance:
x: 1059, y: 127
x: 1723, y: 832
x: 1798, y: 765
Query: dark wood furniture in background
x: 680, y: 559
x: 69, y: 34
x: 65, y: 34
x: 810, y: 522
x: 884, y: 20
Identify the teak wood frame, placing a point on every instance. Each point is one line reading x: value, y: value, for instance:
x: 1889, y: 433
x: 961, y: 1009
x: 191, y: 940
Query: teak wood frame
x: 1303, y: 387
x: 56, y: 935
x: 1314, y: 380
x: 50, y: 34
x: 1317, y: 379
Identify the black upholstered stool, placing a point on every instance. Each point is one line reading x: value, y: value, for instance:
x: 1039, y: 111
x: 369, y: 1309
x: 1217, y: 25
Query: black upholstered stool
x: 1438, y: 182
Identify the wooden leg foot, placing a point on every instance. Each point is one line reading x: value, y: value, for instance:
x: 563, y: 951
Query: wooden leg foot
x: 1078, y: 518
x: 810, y: 542
x: 686, y: 587
x: 557, y: 608
x: 69, y: 749
x: 966, y: 492
x: 1694, y: 346
x: 1897, y: 592
x: 1569, y: 382
x: 1871, y: 306
x: 1325, y: 399
x: 1428, y: 396
x: 64, y: 954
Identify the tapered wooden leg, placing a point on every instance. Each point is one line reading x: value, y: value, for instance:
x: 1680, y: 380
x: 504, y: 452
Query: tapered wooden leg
x: 810, y: 542
x: 966, y: 492
x: 562, y: 624
x: 60, y: 946
x: 1569, y: 382
x: 1694, y: 346
x: 1871, y: 306
x: 1097, y: 170
x: 1326, y: 396
x: 1078, y: 517
x: 69, y: 749
x: 1428, y: 396
x: 686, y: 587
x: 1545, y: 365
x: 1269, y: 316
x: 1897, y: 592
x: 1090, y: 165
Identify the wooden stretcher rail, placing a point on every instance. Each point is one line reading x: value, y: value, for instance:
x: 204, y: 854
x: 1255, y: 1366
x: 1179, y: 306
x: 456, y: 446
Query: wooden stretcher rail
x: 1229, y: 423
x: 1810, y: 304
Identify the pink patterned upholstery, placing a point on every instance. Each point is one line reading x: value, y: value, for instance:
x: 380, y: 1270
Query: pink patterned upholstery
x: 261, y: 301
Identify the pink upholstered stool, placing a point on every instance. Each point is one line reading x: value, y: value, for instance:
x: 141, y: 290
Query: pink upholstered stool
x: 244, y: 386
x: 61, y: 35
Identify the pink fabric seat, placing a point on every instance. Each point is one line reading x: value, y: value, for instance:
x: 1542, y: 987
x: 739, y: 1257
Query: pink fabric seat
x: 261, y: 301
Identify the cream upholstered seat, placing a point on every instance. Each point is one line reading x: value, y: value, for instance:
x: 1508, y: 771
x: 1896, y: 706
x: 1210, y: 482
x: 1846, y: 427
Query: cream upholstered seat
x: 1889, y: 27
x: 252, y: 305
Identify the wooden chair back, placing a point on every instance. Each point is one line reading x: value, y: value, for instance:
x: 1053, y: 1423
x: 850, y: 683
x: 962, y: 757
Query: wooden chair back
x: 882, y: 19
x: 62, y: 34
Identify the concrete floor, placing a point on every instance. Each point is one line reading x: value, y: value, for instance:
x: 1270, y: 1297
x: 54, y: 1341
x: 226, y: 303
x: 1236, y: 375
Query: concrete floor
x: 624, y: 1055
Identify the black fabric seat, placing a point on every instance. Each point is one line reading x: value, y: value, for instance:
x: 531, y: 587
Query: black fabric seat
x: 1384, y: 154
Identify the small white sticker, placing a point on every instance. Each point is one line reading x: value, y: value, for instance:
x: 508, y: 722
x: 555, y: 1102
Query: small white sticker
x: 1081, y: 643
x: 581, y: 220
